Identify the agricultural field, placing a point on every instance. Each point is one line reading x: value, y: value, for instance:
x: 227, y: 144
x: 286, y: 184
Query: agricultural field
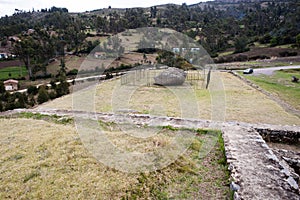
x: 280, y: 84
x: 13, y: 72
x: 75, y: 62
x: 48, y: 160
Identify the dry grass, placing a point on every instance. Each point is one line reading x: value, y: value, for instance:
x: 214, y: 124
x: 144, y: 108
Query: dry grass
x: 243, y: 103
x: 48, y: 161
x: 42, y: 160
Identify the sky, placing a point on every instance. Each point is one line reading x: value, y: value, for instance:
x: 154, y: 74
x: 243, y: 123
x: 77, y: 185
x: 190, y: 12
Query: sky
x: 7, y: 7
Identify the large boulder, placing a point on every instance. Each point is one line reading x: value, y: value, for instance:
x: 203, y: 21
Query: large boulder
x: 171, y: 76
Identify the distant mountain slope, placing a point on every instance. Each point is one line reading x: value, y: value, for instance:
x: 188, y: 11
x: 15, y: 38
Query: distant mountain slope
x: 216, y: 25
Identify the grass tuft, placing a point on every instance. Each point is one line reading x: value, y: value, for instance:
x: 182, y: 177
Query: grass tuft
x: 31, y: 175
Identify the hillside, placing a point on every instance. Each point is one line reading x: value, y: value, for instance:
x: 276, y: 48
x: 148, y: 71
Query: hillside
x: 216, y: 24
x: 228, y: 31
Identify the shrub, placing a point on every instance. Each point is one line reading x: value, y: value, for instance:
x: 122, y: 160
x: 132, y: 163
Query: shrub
x: 31, y: 100
x: 43, y: 95
x: 72, y: 72
x: 241, y: 57
x: 44, y: 76
x: 62, y: 89
x: 2, y: 88
x: 52, y: 95
x: 287, y: 53
x: 53, y: 84
x: 32, y: 90
x: 22, y: 100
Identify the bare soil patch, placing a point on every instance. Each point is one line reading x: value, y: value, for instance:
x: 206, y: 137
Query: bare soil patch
x: 11, y: 63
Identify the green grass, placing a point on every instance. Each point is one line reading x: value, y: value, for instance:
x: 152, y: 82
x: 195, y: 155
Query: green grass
x: 257, y: 44
x: 280, y: 84
x: 13, y: 72
x: 52, y: 118
x: 226, y: 53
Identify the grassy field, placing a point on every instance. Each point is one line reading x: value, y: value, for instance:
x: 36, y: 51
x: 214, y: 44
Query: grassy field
x: 14, y: 72
x: 280, y: 84
x: 243, y: 103
x: 48, y: 161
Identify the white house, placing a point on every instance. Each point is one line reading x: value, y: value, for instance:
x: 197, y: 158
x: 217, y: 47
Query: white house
x: 11, y: 85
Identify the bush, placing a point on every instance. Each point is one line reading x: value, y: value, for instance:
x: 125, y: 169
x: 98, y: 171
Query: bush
x: 273, y: 42
x: 31, y: 100
x: 62, y: 89
x: 44, y: 76
x: 2, y: 88
x: 287, y: 53
x: 240, y: 45
x: 108, y: 76
x: 53, y: 84
x: 22, y: 100
x: 241, y: 58
x: 265, y: 39
x: 72, y: 72
x: 43, y: 95
x: 32, y: 90
x: 261, y: 57
x: 52, y: 95
x: 11, y: 100
x: 1, y: 106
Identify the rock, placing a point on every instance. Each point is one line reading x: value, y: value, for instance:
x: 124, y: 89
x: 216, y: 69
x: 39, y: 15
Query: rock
x: 236, y: 196
x: 127, y: 111
x: 271, y: 156
x: 286, y: 171
x: 293, y: 183
x: 234, y: 186
x: 171, y: 76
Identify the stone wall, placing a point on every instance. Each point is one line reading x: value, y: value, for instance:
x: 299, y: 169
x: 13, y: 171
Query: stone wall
x: 280, y: 136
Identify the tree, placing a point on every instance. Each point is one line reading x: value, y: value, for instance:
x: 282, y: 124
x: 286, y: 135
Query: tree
x: 42, y: 95
x: 11, y: 100
x: 2, y: 88
x: 240, y: 45
x: 35, y: 51
x: 25, y: 49
x: 63, y: 87
x: 22, y: 100
x: 274, y: 42
x: 1, y: 106
x: 298, y: 40
x: 32, y: 90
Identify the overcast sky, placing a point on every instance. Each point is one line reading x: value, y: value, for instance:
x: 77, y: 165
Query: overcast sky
x: 7, y: 7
